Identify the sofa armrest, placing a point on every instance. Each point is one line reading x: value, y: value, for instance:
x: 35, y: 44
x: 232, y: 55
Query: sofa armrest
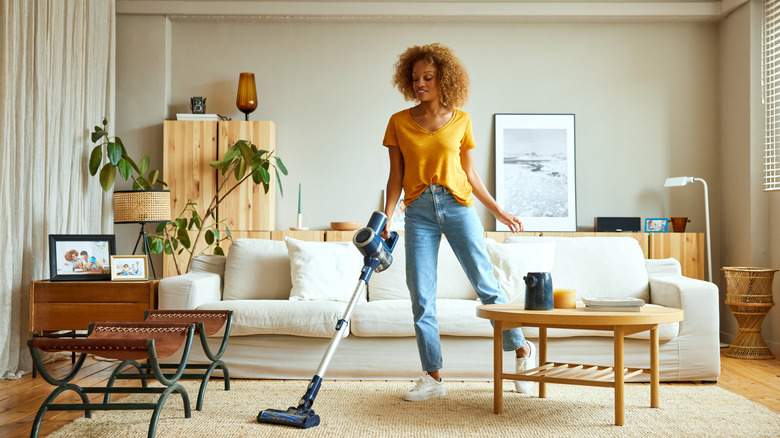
x: 189, y: 291
x: 700, y: 328
x: 656, y: 267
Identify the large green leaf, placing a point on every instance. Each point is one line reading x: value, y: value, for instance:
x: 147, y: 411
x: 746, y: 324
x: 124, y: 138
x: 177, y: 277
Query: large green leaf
x: 209, y: 237
x: 279, y: 182
x: 98, y: 134
x: 143, y: 166
x: 264, y: 173
x: 114, y: 152
x: 280, y: 165
x: 161, y: 226
x: 184, y: 237
x: 153, y: 177
x: 246, y: 151
x: 240, y: 170
x: 125, y: 169
x: 107, y: 177
x: 218, y: 250
x: 95, y: 158
x: 157, y: 245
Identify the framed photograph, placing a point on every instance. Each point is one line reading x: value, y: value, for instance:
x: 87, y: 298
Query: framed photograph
x: 656, y: 225
x: 129, y: 267
x: 79, y: 257
x: 535, y: 170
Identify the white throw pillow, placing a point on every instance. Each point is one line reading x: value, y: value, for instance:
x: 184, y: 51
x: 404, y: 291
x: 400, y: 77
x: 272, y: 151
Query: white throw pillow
x: 257, y: 269
x: 513, y: 261
x: 323, y: 270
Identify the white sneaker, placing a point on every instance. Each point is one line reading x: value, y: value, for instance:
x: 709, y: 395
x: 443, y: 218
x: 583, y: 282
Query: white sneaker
x: 427, y: 387
x: 525, y: 364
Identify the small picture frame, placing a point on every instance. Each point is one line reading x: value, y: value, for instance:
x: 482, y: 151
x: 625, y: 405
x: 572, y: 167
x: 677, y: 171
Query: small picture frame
x: 656, y: 225
x: 80, y: 257
x: 129, y: 267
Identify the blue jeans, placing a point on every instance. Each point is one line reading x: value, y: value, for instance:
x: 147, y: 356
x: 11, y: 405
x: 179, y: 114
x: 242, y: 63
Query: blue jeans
x: 433, y: 213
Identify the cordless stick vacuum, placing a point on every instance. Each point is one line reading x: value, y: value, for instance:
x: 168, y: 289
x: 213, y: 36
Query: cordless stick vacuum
x: 377, y: 257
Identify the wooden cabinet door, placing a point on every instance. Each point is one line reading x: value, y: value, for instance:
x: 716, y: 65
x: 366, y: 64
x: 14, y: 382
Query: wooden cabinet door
x: 687, y: 248
x: 248, y: 208
x: 189, y: 147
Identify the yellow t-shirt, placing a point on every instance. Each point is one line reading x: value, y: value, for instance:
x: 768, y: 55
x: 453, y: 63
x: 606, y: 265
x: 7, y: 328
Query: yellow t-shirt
x: 432, y: 157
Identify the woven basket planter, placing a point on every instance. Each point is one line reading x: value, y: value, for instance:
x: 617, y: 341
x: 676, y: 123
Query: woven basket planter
x: 749, y: 296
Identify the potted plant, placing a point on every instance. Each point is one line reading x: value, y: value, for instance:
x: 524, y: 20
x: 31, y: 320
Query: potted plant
x: 244, y: 160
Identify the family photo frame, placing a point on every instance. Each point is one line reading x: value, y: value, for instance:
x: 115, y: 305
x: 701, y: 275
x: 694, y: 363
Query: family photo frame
x: 80, y: 257
x: 129, y: 267
x: 535, y: 170
x: 656, y: 225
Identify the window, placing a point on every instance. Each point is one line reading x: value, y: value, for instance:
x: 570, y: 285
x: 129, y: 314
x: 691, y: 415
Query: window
x: 771, y: 84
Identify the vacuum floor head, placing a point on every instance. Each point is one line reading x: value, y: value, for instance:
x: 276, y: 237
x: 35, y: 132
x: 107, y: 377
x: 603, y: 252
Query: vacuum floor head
x: 291, y: 417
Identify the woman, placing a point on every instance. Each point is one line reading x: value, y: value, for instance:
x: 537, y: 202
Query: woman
x: 431, y: 160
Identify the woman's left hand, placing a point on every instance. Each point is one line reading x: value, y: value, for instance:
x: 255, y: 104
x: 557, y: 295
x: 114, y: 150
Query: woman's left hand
x: 510, y: 221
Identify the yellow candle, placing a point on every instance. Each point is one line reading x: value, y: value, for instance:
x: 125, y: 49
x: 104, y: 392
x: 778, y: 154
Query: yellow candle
x: 564, y: 298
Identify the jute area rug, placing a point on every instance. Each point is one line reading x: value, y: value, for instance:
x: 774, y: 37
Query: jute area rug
x: 375, y: 409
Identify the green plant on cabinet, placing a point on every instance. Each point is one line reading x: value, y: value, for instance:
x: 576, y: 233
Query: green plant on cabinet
x: 244, y: 160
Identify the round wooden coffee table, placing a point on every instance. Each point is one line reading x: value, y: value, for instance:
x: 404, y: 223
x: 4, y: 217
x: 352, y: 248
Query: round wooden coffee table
x: 507, y: 316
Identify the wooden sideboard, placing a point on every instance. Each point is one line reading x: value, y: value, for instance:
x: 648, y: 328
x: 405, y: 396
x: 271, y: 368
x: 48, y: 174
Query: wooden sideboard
x: 189, y: 147
x: 72, y: 305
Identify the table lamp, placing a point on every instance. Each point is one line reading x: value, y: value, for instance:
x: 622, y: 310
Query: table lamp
x: 680, y: 181
x: 142, y: 207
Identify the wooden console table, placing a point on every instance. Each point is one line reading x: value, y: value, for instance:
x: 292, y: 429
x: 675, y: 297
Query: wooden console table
x: 507, y: 316
x: 72, y: 305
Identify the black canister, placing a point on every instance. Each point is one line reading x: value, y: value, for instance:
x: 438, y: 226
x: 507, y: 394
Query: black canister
x: 538, y: 291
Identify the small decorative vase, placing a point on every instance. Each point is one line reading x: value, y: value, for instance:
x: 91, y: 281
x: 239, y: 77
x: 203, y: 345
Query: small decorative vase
x: 246, y: 99
x: 538, y: 291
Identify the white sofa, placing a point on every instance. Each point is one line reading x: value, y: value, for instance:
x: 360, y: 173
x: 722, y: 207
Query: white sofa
x: 288, y: 295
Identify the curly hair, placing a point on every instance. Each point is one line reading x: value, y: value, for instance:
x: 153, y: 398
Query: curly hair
x: 70, y: 255
x: 453, y: 78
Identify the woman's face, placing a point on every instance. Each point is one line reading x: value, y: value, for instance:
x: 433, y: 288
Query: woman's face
x: 425, y: 79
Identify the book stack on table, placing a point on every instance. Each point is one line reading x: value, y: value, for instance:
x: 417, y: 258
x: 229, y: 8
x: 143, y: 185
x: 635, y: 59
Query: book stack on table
x: 611, y: 304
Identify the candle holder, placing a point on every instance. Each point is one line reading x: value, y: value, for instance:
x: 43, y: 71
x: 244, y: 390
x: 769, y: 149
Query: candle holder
x: 246, y: 99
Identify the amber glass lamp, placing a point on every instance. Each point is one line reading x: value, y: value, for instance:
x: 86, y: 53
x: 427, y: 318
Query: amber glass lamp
x: 246, y: 100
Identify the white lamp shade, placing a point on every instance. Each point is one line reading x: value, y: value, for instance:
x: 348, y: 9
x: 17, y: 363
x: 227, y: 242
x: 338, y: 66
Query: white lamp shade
x: 678, y: 181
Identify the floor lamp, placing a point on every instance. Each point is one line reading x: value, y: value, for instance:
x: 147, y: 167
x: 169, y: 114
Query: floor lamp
x: 142, y: 207
x: 680, y: 181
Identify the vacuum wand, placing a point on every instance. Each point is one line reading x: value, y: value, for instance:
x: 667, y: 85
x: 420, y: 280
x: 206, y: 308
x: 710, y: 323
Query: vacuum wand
x: 377, y: 256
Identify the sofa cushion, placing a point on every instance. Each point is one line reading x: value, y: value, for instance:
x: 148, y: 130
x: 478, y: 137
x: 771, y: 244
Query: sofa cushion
x: 597, y: 266
x: 257, y: 269
x: 323, y: 270
x: 281, y: 317
x: 391, y: 283
x: 512, y: 261
x: 392, y: 318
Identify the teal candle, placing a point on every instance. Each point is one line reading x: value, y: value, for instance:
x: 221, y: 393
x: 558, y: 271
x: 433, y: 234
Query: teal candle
x: 299, y: 198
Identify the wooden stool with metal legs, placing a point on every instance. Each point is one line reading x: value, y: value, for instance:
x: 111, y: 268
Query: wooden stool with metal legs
x: 126, y: 341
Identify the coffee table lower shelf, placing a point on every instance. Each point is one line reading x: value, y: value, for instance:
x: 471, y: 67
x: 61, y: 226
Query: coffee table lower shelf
x: 574, y: 374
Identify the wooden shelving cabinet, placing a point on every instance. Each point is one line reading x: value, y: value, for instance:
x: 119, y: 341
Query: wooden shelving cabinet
x: 189, y: 147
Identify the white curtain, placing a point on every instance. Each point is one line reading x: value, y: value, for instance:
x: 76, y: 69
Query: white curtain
x: 57, y: 67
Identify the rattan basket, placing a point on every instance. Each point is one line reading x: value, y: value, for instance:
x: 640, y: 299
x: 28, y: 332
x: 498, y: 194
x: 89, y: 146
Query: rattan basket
x: 749, y: 296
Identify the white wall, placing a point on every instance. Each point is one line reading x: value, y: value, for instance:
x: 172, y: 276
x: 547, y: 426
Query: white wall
x: 644, y: 95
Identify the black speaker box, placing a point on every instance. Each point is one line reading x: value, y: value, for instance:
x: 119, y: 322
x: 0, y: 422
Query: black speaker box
x: 618, y: 224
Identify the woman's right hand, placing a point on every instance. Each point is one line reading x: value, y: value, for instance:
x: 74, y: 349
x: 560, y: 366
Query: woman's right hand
x: 386, y: 231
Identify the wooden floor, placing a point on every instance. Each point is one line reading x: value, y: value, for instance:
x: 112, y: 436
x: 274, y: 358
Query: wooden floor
x: 757, y: 380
